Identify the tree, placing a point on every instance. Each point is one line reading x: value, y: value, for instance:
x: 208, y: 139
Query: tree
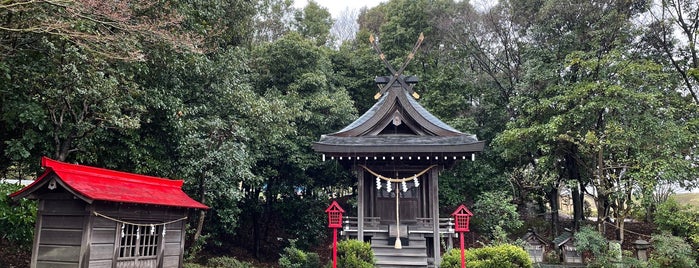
x: 673, y: 31
x: 483, y: 53
x: 109, y: 29
x: 587, y: 90
x: 66, y: 99
x: 314, y: 22
x: 345, y: 27
x: 356, y: 64
x: 72, y: 86
x: 493, y: 43
x: 297, y: 73
x: 272, y: 20
x: 493, y: 210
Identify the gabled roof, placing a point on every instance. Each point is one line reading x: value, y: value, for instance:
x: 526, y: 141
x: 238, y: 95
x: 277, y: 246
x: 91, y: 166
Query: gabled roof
x: 91, y: 183
x: 562, y: 239
x: 334, y: 207
x: 397, y: 123
x: 532, y: 238
x: 397, y: 102
x: 462, y: 210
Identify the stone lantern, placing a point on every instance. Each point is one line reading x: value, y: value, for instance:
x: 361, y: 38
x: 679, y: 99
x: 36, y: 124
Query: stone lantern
x: 641, y: 246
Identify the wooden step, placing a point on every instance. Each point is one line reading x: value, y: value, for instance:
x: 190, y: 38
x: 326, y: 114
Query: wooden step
x: 400, y: 263
x: 412, y: 255
x: 390, y: 244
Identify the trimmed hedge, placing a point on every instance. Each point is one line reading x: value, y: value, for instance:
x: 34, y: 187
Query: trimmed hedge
x: 502, y: 256
x: 355, y: 254
x: 227, y: 262
x: 293, y: 257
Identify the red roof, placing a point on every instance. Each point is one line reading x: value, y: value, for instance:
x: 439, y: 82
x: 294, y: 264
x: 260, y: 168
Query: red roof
x: 334, y: 206
x: 91, y: 183
x: 462, y: 210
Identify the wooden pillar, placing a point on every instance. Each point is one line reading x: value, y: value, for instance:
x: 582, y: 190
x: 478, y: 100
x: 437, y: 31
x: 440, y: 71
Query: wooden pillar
x: 360, y: 202
x: 371, y: 202
x: 434, y: 203
x: 424, y: 195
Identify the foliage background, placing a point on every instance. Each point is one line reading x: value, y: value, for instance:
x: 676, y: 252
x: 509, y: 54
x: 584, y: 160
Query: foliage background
x: 594, y: 99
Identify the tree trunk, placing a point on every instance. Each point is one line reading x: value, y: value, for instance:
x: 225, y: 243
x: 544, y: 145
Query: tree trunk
x: 599, y: 203
x: 578, y: 192
x: 253, y: 203
x: 620, y: 230
x: 62, y: 148
x: 263, y: 225
x: 553, y: 202
x: 200, y: 224
x: 202, y: 213
x: 578, y: 200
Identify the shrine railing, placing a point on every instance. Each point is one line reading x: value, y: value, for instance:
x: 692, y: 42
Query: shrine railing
x: 373, y: 224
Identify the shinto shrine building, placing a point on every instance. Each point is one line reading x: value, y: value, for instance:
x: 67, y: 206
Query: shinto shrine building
x: 396, y: 150
x: 94, y: 217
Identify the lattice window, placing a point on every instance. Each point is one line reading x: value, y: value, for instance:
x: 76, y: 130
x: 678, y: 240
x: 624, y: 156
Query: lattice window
x: 536, y: 252
x: 335, y: 217
x: 139, y: 241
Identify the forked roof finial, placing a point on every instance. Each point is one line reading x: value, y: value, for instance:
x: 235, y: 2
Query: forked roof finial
x: 397, y: 74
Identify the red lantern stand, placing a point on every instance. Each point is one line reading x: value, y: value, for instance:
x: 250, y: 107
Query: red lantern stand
x: 462, y: 217
x: 335, y: 222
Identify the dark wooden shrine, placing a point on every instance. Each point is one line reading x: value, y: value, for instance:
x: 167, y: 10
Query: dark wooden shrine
x: 396, y: 151
x: 93, y: 217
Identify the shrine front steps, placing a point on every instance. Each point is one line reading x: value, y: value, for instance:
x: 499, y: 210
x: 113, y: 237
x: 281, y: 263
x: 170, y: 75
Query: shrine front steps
x: 414, y: 254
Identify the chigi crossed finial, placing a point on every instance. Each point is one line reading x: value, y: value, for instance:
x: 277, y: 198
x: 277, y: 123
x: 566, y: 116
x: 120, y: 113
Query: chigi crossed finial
x: 397, y: 74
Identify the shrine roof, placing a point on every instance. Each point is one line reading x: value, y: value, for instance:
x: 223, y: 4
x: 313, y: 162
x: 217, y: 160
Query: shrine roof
x: 398, y: 144
x: 562, y: 239
x: 92, y: 183
x: 421, y: 131
x: 372, y: 112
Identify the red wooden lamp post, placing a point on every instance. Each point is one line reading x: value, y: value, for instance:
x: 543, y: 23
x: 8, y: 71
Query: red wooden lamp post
x: 462, y: 217
x: 334, y: 221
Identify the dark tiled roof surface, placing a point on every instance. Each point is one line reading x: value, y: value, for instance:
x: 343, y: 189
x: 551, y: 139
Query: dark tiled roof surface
x: 399, y: 140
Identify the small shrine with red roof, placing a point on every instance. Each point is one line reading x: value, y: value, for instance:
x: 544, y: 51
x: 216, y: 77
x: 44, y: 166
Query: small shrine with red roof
x: 94, y: 217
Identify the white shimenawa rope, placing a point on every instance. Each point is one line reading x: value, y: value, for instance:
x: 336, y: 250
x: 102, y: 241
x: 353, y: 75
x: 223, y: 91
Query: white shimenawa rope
x: 139, y: 224
x: 151, y: 225
x: 414, y: 177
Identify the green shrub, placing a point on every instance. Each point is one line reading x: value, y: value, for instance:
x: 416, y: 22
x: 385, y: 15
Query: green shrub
x: 679, y: 220
x: 192, y: 251
x: 192, y: 265
x: 630, y: 261
x: 227, y: 262
x: 293, y: 257
x: 501, y: 256
x: 670, y: 251
x: 355, y: 254
x: 590, y: 240
x: 16, y: 218
x: 552, y: 257
x: 493, y: 210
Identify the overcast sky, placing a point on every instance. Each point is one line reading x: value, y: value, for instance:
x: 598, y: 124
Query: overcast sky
x: 336, y: 7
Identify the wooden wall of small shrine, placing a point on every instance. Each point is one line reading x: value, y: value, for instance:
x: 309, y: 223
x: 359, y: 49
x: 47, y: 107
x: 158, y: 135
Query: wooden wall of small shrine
x: 59, y: 231
x: 70, y: 234
x: 103, y: 232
